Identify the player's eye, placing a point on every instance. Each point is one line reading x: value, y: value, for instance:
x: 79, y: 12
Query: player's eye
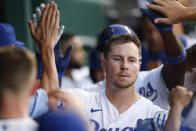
x: 116, y: 58
x: 132, y: 60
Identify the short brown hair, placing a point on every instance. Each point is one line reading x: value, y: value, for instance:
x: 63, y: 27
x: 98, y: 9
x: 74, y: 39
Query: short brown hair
x: 121, y: 39
x: 18, y: 67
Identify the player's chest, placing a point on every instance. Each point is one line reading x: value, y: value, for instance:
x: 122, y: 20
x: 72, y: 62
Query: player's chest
x: 105, y: 116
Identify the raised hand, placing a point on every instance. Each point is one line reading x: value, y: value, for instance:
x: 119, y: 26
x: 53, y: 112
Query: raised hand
x: 36, y: 18
x: 180, y: 97
x: 47, y: 29
x: 61, y: 61
x: 152, y: 15
x: 172, y: 9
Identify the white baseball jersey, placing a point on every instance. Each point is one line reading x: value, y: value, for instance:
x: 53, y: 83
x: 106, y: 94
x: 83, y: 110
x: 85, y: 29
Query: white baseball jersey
x: 149, y: 84
x: 103, y: 115
x: 26, y: 124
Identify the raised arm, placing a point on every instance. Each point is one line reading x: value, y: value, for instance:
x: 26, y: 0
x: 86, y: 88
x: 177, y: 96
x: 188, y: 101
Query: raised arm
x: 174, y: 11
x: 45, y: 36
x: 174, y: 50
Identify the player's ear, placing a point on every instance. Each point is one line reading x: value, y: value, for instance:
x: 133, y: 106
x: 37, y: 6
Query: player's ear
x: 35, y: 87
x: 103, y: 63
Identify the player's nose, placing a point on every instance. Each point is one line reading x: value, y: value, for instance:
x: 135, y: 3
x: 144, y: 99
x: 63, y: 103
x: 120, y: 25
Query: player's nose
x: 124, y: 65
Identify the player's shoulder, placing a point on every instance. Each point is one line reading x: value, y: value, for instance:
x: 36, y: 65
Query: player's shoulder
x: 148, y: 103
x: 22, y: 124
x: 143, y: 74
x: 84, y: 94
x: 151, y: 74
x: 97, y: 87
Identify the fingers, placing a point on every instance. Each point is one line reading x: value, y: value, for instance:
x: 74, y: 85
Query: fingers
x: 162, y: 20
x: 32, y: 28
x: 159, y: 2
x: 53, y: 15
x: 42, y: 21
x: 57, y: 19
x: 49, y: 14
x: 190, y: 93
x: 155, y: 7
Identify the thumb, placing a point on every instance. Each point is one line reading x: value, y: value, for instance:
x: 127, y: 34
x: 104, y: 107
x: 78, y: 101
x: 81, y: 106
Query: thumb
x: 32, y: 28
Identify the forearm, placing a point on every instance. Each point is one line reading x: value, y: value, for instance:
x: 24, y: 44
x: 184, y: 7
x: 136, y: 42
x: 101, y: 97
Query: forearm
x: 173, y: 121
x: 190, y: 13
x: 49, y: 80
x: 173, y: 46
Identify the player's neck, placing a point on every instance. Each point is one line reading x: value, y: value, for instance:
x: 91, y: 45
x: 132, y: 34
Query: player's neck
x: 122, y: 99
x: 14, y: 109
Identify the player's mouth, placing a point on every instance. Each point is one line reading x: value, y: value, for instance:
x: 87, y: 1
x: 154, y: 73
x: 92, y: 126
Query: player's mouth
x: 124, y: 75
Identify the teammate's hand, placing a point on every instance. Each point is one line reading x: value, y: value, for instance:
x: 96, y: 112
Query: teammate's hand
x: 36, y: 18
x: 152, y: 15
x: 47, y: 29
x: 180, y: 97
x: 172, y: 9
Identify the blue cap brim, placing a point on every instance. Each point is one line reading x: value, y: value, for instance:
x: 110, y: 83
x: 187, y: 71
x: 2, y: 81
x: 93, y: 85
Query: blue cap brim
x: 20, y: 44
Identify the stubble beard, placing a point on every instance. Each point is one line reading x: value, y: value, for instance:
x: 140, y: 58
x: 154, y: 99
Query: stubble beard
x: 122, y: 85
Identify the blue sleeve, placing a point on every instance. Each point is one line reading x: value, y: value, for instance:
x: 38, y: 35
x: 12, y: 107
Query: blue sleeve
x: 38, y: 104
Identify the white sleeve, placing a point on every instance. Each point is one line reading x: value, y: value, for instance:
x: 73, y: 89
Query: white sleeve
x: 98, y: 87
x: 81, y: 94
x: 38, y: 103
x: 151, y: 85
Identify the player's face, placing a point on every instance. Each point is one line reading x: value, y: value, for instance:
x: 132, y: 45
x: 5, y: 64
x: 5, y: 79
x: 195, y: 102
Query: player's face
x: 122, y: 65
x: 78, y: 53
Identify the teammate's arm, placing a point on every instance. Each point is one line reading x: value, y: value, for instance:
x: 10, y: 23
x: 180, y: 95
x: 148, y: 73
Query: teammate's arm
x: 179, y: 98
x: 174, y: 50
x: 174, y: 68
x: 173, y: 10
x: 45, y: 35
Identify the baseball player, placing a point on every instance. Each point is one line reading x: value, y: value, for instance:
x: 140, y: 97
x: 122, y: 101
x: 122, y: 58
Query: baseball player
x: 17, y: 72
